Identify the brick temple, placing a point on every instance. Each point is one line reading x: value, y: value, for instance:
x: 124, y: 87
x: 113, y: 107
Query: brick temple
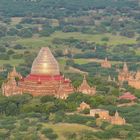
x: 133, y: 78
x: 105, y: 63
x: 44, y: 79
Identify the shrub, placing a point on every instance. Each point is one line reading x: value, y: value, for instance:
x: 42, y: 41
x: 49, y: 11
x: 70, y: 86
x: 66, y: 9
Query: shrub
x: 23, y: 127
x: 48, y: 132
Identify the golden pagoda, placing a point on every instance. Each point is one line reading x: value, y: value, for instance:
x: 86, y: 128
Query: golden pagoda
x: 45, y: 78
x: 45, y: 64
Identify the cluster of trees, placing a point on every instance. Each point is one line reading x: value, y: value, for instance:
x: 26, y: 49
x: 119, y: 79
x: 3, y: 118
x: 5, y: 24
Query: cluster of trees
x: 25, y: 127
x: 30, y: 112
x: 54, y: 9
x: 24, y: 104
x: 15, y: 31
x: 120, y: 52
x: 26, y: 32
x: 7, y: 52
x: 76, y: 43
x: 120, y: 132
x: 124, y: 54
x: 51, y: 109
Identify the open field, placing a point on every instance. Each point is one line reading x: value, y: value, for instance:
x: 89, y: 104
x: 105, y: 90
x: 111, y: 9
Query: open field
x: 16, y: 20
x: 13, y: 62
x: 44, y: 41
x: 81, y: 61
x: 63, y: 128
x: 36, y: 42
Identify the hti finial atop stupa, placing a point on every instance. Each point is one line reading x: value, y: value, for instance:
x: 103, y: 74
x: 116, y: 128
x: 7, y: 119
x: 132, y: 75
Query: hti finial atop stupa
x: 45, y: 63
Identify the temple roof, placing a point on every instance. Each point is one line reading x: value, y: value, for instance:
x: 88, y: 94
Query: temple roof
x: 85, y: 84
x: 116, y: 114
x: 125, y: 67
x: 128, y: 96
x: 137, y: 76
x: 14, y: 74
x: 45, y: 63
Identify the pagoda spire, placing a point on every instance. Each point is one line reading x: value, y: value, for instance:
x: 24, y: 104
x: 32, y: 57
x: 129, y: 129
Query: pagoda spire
x: 85, y: 83
x: 85, y: 87
x: 116, y: 114
x: 14, y: 69
x: 109, y: 78
x: 125, y: 67
x: 8, y: 75
x: 114, y: 79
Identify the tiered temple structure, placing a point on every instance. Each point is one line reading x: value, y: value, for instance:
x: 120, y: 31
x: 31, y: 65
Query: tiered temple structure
x: 83, y: 106
x: 14, y: 74
x: 44, y: 79
x: 9, y: 87
x: 105, y: 63
x: 124, y: 74
x: 85, y: 88
x: 117, y: 119
x: 135, y: 81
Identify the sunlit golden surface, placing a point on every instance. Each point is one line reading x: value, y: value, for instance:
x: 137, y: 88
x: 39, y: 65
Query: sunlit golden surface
x: 45, y: 63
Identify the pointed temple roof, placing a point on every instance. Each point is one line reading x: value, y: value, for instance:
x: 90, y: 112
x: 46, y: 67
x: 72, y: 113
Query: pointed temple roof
x: 14, y: 74
x: 128, y: 96
x: 85, y: 83
x: 106, y: 60
x: 116, y: 114
x: 125, y: 67
x: 109, y: 78
x: 45, y: 63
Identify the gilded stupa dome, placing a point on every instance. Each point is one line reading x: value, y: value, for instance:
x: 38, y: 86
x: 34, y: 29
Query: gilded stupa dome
x: 45, y: 63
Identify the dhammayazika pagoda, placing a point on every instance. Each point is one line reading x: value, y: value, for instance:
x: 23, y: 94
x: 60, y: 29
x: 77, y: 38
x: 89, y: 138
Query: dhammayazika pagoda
x: 44, y: 79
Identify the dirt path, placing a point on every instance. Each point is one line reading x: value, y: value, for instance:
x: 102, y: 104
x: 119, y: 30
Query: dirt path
x: 77, y: 70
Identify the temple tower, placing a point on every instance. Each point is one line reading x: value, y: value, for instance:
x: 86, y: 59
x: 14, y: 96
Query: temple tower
x: 85, y: 88
x: 105, y: 63
x: 124, y: 74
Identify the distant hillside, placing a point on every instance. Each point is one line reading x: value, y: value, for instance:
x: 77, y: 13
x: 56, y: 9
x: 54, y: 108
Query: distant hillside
x: 58, y: 8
